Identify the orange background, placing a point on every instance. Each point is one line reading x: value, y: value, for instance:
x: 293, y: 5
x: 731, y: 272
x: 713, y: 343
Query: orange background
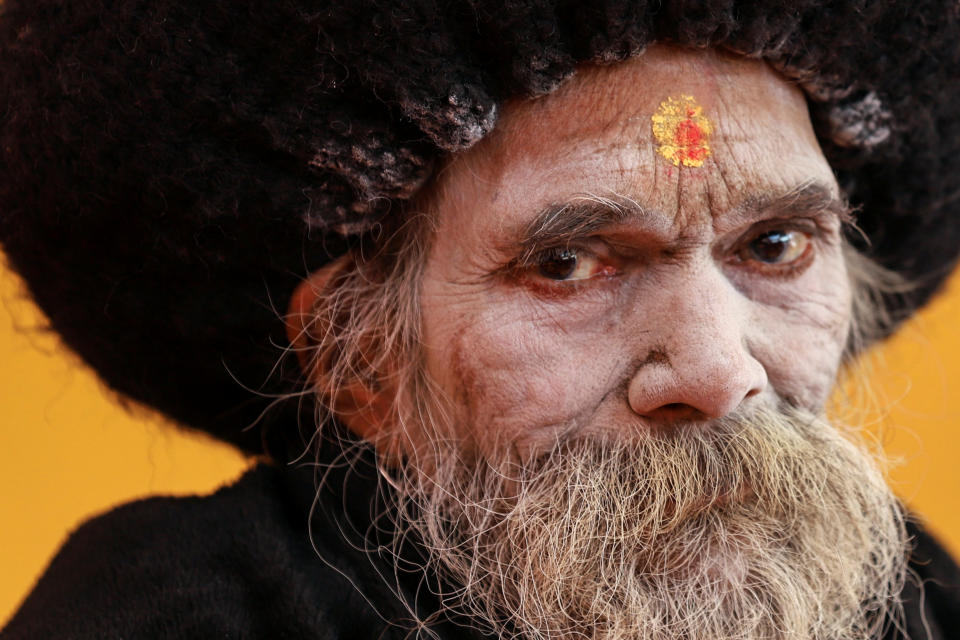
x: 68, y: 450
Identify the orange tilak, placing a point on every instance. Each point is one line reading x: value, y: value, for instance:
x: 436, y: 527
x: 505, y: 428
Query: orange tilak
x: 682, y: 131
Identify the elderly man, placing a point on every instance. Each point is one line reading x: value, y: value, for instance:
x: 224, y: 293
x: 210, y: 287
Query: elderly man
x: 580, y: 283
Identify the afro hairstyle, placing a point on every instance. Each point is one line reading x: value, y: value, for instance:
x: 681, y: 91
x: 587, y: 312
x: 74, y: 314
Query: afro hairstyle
x: 171, y: 170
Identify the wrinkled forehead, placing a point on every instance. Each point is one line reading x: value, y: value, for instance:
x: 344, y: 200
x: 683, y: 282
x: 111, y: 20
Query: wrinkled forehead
x: 617, y: 101
x: 745, y: 130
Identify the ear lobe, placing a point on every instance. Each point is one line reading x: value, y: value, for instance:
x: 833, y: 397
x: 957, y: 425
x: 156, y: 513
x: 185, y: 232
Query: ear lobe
x: 365, y: 411
x: 362, y: 405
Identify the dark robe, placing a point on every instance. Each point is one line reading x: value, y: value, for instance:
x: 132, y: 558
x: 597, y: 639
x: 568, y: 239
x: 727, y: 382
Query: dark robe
x: 240, y: 564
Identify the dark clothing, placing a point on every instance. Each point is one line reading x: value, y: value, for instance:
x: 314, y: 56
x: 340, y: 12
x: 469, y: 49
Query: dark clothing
x: 240, y: 564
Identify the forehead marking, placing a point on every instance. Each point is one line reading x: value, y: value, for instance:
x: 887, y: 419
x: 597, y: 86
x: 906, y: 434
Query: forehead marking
x: 682, y: 131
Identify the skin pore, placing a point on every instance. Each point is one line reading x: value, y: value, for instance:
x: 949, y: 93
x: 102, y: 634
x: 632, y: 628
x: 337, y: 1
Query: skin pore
x: 579, y: 281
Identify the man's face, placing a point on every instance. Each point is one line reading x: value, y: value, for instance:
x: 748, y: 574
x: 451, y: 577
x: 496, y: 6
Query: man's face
x: 586, y: 277
x: 633, y: 307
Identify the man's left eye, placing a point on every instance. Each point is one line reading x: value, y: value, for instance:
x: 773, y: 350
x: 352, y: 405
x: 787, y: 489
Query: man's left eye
x: 777, y: 247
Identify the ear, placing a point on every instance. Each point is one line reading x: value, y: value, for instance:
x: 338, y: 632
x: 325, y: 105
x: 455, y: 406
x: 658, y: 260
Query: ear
x: 364, y: 406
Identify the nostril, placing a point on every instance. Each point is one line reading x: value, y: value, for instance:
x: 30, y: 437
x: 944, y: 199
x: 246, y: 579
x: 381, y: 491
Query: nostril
x: 676, y: 412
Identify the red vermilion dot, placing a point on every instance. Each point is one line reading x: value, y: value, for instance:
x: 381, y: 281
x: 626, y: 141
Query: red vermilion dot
x: 688, y: 137
x: 688, y: 134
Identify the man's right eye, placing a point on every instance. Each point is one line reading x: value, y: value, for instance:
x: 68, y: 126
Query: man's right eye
x: 568, y: 265
x: 558, y: 264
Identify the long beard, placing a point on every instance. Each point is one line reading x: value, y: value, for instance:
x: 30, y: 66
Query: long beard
x: 770, y: 526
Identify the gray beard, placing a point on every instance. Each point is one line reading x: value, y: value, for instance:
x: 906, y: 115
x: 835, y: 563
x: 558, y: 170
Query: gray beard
x: 771, y: 526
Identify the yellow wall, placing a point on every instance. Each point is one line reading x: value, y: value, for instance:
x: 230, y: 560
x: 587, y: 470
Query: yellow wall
x: 67, y: 450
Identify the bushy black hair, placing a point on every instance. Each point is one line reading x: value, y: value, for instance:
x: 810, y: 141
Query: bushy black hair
x: 170, y: 169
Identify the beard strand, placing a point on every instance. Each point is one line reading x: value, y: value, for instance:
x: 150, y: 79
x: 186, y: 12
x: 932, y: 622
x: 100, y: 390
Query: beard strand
x: 771, y: 525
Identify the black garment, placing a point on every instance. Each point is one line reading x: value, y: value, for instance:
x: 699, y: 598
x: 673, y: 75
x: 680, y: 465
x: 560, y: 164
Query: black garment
x: 239, y: 564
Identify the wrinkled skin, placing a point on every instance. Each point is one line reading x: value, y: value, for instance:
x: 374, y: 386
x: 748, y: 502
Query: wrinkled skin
x: 668, y: 316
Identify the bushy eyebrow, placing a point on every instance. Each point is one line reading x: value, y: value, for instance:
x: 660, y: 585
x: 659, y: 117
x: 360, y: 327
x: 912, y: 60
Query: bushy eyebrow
x: 586, y: 214
x: 580, y: 217
x: 807, y: 199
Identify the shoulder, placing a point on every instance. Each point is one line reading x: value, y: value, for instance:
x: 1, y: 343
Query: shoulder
x: 239, y: 563
x: 931, y: 596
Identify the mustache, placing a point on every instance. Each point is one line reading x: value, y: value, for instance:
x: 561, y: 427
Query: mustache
x: 765, y: 460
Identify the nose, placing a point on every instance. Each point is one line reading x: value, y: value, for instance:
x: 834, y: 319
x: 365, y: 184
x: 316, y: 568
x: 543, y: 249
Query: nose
x: 700, y: 367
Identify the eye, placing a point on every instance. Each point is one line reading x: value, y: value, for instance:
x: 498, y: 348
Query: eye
x: 569, y: 265
x: 778, y: 247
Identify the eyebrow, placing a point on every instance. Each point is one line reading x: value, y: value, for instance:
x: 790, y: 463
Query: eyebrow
x: 587, y: 214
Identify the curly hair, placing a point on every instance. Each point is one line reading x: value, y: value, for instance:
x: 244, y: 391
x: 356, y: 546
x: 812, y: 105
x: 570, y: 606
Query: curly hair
x: 170, y: 170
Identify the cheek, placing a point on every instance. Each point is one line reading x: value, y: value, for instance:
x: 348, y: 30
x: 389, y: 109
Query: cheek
x: 800, y: 338
x: 517, y: 378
